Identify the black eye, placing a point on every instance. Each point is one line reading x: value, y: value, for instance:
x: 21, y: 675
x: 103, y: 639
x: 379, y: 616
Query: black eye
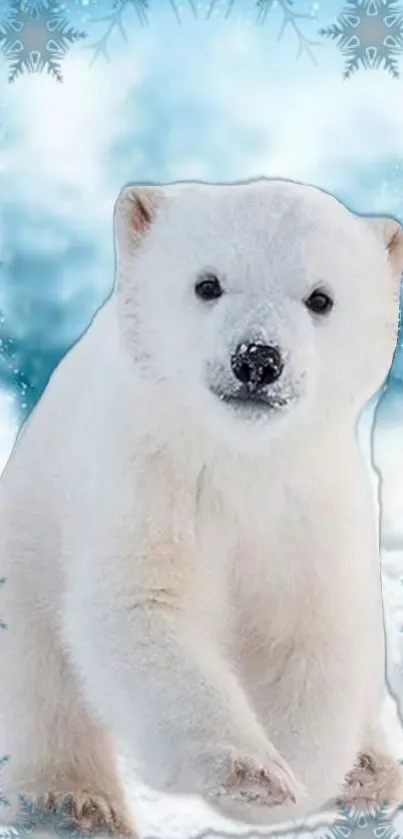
x: 208, y: 287
x: 319, y: 302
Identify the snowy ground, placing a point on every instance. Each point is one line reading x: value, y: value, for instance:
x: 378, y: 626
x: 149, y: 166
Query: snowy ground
x: 166, y: 817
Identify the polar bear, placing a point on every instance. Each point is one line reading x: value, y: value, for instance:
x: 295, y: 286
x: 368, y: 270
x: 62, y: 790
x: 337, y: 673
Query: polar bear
x: 187, y: 525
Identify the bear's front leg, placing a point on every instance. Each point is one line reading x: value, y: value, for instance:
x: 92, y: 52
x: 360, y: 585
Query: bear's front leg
x: 160, y: 684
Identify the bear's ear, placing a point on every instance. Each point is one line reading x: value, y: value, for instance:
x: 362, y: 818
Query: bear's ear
x: 135, y: 210
x: 390, y: 232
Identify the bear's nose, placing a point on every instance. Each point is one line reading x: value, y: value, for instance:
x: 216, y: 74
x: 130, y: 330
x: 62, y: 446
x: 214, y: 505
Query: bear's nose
x: 257, y: 365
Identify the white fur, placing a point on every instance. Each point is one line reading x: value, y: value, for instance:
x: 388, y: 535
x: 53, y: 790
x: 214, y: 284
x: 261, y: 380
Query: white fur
x: 185, y: 580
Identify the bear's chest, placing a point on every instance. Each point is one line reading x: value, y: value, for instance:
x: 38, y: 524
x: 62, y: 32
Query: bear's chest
x: 286, y: 557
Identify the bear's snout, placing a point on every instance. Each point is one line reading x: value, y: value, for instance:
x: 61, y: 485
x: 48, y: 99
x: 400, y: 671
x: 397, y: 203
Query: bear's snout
x: 257, y: 365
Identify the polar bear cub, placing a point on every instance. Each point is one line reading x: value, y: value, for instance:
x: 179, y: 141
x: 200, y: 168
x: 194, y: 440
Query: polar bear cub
x: 187, y: 526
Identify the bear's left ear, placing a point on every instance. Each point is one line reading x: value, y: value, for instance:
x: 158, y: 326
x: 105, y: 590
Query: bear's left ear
x: 390, y: 232
x: 135, y: 211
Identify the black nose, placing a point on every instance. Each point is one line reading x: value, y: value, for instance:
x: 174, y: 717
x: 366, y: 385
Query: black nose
x: 257, y: 365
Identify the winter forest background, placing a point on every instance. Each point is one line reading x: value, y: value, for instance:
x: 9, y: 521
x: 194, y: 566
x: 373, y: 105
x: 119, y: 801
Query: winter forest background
x: 185, y: 89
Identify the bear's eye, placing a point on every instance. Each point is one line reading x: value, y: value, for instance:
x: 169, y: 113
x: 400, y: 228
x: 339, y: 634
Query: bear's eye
x: 319, y: 302
x: 208, y: 287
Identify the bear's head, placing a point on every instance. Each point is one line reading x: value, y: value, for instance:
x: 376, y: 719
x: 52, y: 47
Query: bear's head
x: 254, y: 302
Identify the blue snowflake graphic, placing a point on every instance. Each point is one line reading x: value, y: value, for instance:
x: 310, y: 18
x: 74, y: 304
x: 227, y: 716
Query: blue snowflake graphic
x: 116, y: 21
x: 35, y: 37
x: 369, y: 34
x: 54, y: 818
x: 351, y: 824
x: 291, y: 17
x: 28, y: 818
x: 376, y: 821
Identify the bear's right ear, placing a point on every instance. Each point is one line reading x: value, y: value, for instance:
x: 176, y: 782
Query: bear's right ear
x: 390, y: 233
x: 135, y: 210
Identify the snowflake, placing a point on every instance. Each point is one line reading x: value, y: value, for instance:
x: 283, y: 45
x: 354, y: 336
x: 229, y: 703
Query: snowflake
x: 36, y: 36
x: 377, y: 820
x: 31, y: 816
x: 115, y: 21
x: 290, y: 19
x: 369, y: 34
x: 28, y: 818
x: 349, y: 824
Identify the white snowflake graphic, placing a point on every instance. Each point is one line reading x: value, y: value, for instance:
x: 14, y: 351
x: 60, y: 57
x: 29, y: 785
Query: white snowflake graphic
x: 35, y: 37
x: 369, y: 34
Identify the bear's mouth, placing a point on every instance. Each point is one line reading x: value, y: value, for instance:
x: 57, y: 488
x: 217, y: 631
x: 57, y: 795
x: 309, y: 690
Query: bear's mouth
x: 252, y: 403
